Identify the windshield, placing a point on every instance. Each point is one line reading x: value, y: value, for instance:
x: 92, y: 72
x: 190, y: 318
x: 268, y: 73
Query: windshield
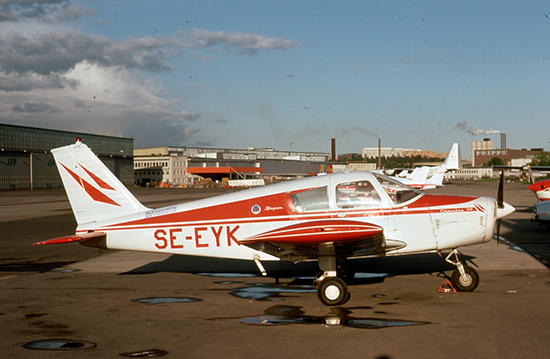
x: 398, y: 192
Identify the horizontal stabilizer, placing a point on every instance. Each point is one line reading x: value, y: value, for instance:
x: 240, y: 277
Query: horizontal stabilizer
x: 73, y: 238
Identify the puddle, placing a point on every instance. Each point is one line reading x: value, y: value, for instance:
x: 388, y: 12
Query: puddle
x: 162, y: 300
x: 262, y: 291
x: 226, y: 282
x: 150, y: 353
x: 67, y: 270
x: 339, y: 317
x: 59, y: 344
x: 364, y: 275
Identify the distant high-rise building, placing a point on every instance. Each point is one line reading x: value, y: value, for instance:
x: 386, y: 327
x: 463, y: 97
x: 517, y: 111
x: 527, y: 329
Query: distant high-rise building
x: 484, y: 145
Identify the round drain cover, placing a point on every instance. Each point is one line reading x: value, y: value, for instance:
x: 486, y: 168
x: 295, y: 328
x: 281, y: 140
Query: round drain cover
x: 59, y: 344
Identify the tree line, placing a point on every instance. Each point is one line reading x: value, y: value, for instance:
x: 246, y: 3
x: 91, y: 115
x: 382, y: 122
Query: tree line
x: 389, y: 161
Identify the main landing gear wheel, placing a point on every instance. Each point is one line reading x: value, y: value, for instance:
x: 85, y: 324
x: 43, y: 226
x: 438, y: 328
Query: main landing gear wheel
x: 332, y: 291
x: 467, y: 282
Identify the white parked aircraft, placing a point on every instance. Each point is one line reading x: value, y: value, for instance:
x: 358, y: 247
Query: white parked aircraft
x: 329, y: 219
x: 428, y: 177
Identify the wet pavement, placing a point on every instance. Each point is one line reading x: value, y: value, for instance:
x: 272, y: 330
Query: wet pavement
x: 70, y: 301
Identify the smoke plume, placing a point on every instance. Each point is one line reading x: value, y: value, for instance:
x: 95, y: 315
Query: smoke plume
x: 474, y: 132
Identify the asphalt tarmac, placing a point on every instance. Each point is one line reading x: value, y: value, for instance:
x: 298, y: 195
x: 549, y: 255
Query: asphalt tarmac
x: 70, y: 301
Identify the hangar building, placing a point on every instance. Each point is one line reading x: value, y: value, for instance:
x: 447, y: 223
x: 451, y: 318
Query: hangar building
x: 26, y: 161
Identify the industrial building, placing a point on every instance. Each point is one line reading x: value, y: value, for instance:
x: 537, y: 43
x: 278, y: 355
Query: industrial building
x: 484, y: 151
x: 26, y: 161
x: 190, y: 165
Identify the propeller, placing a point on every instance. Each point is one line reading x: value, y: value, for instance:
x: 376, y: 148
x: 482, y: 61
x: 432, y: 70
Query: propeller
x: 500, y: 203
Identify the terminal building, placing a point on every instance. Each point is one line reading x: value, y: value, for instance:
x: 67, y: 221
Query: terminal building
x: 27, y: 163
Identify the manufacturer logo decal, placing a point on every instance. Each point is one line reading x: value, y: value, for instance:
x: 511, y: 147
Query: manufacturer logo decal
x: 256, y: 209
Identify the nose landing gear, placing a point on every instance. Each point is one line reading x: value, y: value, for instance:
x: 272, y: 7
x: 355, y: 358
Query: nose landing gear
x: 464, y: 278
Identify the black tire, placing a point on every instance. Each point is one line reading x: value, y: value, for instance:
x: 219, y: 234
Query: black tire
x: 466, y: 283
x: 333, y: 291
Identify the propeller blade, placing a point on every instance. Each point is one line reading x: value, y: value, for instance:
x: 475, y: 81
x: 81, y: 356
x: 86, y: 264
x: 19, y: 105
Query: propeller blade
x: 500, y: 203
x: 500, y: 194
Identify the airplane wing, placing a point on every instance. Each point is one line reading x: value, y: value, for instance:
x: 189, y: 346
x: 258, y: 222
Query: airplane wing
x: 353, y: 238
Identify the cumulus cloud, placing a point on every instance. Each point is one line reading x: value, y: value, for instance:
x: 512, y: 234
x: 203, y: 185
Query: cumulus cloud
x: 55, y: 76
x: 31, y: 81
x: 45, y: 11
x: 60, y: 52
x: 56, y: 53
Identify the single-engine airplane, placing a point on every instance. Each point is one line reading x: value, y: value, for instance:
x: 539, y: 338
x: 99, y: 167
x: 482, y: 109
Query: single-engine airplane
x: 329, y: 218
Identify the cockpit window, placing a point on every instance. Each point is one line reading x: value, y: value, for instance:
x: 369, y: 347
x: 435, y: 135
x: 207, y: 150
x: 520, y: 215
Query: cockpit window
x: 398, y: 192
x: 313, y: 200
x: 360, y: 194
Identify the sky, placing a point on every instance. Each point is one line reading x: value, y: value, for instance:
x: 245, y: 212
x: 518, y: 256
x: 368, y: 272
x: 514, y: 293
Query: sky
x: 288, y: 75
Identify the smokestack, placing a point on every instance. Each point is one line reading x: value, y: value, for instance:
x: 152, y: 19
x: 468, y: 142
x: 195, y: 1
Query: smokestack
x: 502, y: 141
x: 333, y: 149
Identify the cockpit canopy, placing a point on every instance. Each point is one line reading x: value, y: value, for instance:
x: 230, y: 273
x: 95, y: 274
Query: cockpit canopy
x: 372, y: 191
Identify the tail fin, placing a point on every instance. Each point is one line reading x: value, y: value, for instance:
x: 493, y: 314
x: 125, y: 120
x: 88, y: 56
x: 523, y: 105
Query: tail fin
x: 94, y: 192
x: 438, y: 176
x: 418, y: 175
x: 454, y: 159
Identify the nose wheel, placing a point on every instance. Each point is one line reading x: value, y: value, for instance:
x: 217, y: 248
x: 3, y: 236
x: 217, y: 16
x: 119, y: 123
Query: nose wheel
x: 464, y: 278
x: 466, y: 282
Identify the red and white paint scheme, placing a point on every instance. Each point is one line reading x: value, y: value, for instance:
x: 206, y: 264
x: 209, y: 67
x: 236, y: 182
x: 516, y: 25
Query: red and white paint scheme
x: 328, y: 218
x: 541, y: 189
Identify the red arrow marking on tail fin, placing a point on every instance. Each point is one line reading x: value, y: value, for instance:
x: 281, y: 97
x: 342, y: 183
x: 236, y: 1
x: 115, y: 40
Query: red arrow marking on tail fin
x: 93, y: 192
x: 101, y: 183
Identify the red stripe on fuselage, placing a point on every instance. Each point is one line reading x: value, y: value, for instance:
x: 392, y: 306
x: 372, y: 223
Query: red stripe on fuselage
x: 279, y: 208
